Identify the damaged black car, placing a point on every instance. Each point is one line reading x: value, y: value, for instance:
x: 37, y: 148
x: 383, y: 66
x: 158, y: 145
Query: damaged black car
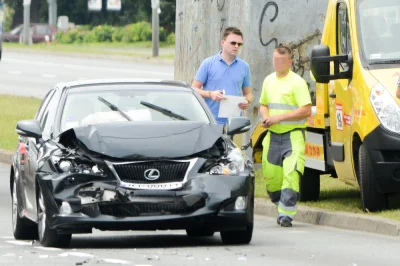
x: 129, y: 155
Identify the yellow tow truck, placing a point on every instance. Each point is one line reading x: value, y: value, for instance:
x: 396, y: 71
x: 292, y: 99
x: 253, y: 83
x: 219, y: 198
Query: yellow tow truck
x: 354, y: 133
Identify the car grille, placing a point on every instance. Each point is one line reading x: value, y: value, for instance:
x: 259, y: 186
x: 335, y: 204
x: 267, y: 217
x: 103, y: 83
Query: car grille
x: 169, y: 171
x: 148, y: 209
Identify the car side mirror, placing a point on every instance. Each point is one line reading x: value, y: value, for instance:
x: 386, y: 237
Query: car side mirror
x: 237, y: 125
x: 320, y: 64
x: 29, y: 128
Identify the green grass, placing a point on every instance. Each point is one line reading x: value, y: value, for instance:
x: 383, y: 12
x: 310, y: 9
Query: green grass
x: 138, y: 49
x: 336, y: 196
x: 13, y: 109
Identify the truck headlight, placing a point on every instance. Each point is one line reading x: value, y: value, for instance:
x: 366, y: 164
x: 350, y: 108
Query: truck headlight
x: 386, y: 108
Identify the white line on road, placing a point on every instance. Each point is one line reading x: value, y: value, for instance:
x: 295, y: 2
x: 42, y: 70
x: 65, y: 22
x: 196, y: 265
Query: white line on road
x: 48, y: 76
x: 79, y: 67
x: 14, y: 72
x: 20, y: 243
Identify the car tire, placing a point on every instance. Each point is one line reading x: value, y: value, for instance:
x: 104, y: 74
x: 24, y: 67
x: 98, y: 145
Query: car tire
x: 243, y: 236
x: 23, y: 229
x: 200, y: 232
x: 371, y: 199
x: 49, y: 237
x: 237, y: 237
x: 309, y: 185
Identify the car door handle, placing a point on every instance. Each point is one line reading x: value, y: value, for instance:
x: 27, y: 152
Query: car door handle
x: 332, y: 95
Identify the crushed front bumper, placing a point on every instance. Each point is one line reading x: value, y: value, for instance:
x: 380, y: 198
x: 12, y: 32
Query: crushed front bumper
x: 205, y: 201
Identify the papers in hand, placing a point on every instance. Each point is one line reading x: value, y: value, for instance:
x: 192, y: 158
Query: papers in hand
x: 229, y: 107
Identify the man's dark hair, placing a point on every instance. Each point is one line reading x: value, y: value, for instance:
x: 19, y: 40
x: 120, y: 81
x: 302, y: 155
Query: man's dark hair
x: 283, y: 49
x: 230, y: 30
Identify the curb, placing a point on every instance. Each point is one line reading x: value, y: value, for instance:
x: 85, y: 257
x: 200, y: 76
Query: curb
x: 6, y: 156
x: 342, y: 220
x: 349, y: 221
x: 133, y: 58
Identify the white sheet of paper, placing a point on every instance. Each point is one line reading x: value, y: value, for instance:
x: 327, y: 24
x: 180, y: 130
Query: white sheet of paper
x: 229, y: 107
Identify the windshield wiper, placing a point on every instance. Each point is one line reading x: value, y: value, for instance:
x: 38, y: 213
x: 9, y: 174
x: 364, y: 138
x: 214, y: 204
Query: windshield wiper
x: 393, y: 61
x: 113, y: 107
x: 163, y: 111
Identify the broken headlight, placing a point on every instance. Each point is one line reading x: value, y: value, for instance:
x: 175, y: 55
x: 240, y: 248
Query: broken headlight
x: 232, y: 163
x: 75, y: 165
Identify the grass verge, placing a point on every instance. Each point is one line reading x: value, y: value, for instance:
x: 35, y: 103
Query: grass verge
x: 13, y: 109
x: 139, y: 49
x: 336, y: 196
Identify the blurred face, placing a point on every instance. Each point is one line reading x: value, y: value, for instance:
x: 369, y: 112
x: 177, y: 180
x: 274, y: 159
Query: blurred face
x: 282, y: 62
x: 231, y: 45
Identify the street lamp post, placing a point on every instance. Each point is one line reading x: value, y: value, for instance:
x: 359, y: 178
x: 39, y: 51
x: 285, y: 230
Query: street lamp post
x: 27, y: 22
x: 52, y: 12
x: 155, y: 26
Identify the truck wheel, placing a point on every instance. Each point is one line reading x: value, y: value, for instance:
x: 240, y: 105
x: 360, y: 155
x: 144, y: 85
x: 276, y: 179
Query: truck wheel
x: 309, y: 185
x: 371, y: 199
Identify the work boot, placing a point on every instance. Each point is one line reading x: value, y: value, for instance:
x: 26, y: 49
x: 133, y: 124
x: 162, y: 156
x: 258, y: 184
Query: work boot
x: 284, y: 221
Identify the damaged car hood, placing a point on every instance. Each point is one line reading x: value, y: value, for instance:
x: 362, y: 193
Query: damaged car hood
x: 129, y: 140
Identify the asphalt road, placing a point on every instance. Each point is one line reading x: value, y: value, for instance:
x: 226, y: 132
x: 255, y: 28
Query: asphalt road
x: 28, y: 74
x: 303, y: 244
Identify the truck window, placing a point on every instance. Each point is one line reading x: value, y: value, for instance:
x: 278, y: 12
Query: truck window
x: 379, y: 29
x: 343, y: 33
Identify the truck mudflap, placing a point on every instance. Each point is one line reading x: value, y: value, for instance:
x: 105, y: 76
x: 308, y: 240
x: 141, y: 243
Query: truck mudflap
x: 315, y: 151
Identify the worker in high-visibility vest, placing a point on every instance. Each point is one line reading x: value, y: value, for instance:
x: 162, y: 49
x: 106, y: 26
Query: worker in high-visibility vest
x: 285, y: 104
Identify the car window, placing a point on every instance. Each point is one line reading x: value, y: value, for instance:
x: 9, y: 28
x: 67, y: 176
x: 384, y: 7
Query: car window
x: 17, y: 30
x: 41, y: 30
x: 85, y: 108
x: 49, y: 114
x: 343, y: 33
x: 42, y: 107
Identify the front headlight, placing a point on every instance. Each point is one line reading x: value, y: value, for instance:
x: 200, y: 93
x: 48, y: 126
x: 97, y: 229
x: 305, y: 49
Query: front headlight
x: 233, y: 164
x: 72, y: 165
x: 386, y: 108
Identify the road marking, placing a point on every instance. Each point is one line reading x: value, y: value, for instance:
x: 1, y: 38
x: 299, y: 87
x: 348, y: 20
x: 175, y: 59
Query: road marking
x: 14, y: 72
x: 20, y: 243
x: 76, y: 254
x: 8, y: 255
x: 48, y: 76
x: 116, y: 261
x: 80, y: 67
x: 49, y: 249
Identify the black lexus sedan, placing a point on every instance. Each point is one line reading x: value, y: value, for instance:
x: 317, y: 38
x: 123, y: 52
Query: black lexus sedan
x: 129, y: 155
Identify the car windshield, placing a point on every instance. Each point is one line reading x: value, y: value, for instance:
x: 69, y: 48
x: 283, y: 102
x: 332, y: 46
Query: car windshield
x: 135, y: 103
x: 379, y: 27
x: 16, y: 30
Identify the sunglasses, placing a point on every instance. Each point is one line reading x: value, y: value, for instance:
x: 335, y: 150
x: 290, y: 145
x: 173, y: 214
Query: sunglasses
x: 238, y: 43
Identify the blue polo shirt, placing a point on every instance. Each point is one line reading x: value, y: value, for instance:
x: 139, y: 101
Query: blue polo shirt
x: 216, y: 74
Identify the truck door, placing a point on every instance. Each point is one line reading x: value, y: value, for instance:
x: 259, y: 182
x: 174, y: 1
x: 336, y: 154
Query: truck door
x: 341, y: 97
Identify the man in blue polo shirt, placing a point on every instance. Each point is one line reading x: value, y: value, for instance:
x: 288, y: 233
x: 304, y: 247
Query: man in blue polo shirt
x: 225, y: 73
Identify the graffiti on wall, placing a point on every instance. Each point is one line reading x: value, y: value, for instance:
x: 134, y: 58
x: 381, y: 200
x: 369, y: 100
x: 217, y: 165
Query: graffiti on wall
x: 300, y: 56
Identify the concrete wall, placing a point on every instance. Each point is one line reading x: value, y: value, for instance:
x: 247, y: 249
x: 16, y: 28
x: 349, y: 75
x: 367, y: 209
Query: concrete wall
x: 265, y: 24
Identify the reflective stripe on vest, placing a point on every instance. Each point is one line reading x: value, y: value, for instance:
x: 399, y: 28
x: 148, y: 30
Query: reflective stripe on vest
x: 286, y: 107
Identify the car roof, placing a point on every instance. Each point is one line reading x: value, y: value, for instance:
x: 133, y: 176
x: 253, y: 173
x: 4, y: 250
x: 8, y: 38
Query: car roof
x: 121, y: 81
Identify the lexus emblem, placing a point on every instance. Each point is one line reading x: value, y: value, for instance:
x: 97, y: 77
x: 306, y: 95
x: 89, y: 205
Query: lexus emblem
x: 152, y: 174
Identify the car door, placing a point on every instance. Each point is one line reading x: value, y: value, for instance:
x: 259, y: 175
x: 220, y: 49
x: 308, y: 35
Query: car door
x: 46, y: 123
x: 26, y: 152
x: 341, y: 96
